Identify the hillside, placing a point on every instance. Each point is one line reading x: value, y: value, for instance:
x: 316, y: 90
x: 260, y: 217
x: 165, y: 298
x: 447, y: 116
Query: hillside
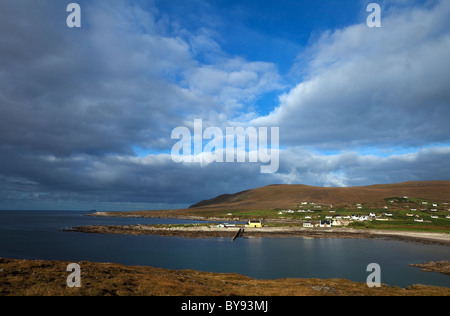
x: 289, y: 196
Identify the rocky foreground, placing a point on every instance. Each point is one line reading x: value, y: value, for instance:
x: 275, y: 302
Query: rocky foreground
x: 49, y: 278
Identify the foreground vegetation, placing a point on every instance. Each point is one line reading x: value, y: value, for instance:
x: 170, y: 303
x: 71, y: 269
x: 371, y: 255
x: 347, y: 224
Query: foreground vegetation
x: 48, y: 278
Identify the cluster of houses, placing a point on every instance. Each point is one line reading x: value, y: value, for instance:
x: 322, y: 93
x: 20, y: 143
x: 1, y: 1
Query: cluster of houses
x: 291, y: 211
x: 338, y: 220
x: 323, y: 223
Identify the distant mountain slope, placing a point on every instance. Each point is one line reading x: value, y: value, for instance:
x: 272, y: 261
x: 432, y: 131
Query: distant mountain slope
x: 289, y: 196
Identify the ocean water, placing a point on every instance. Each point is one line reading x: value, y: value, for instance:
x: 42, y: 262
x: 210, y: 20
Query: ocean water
x: 38, y: 235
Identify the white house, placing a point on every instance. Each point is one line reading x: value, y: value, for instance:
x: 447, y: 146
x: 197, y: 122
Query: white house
x: 325, y: 223
x: 336, y: 222
x: 307, y: 225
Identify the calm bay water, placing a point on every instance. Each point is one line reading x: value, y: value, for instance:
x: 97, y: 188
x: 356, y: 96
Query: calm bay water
x: 38, y: 235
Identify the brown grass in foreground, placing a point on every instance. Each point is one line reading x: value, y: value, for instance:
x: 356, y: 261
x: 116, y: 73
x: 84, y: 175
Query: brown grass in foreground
x: 48, y: 278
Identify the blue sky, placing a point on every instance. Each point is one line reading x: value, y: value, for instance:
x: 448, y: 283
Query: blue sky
x: 270, y: 31
x: 86, y: 114
x: 273, y: 31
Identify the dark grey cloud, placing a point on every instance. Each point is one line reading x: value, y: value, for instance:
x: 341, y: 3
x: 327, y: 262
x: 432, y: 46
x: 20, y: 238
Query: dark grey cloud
x: 65, y: 91
x: 350, y: 168
x: 114, y: 179
x: 157, y: 180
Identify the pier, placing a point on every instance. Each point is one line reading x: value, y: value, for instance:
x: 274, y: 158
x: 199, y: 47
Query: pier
x: 238, y: 233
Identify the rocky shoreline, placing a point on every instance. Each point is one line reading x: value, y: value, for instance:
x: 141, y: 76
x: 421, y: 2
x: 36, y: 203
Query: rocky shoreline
x: 212, y: 231
x: 434, y: 266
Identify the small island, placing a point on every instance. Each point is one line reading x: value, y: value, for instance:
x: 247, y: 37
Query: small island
x: 434, y: 266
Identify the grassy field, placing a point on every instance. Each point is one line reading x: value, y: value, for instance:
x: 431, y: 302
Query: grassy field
x: 399, y: 220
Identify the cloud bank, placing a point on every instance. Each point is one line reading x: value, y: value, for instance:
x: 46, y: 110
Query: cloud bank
x: 86, y: 114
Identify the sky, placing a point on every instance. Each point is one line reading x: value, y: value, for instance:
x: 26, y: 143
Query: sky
x: 87, y: 113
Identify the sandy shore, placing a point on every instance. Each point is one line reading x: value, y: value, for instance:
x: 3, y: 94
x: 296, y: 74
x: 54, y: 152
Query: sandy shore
x: 211, y: 231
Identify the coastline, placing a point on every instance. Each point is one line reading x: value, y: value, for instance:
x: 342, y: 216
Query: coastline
x: 104, y: 279
x: 212, y: 231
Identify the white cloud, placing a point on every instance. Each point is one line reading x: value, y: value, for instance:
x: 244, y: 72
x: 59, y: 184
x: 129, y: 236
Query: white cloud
x: 233, y: 83
x: 364, y: 86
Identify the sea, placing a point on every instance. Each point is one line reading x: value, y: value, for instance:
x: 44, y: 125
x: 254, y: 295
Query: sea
x: 42, y: 235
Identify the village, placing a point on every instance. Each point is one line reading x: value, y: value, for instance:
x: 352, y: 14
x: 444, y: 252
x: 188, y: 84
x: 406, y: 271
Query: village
x: 312, y: 214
